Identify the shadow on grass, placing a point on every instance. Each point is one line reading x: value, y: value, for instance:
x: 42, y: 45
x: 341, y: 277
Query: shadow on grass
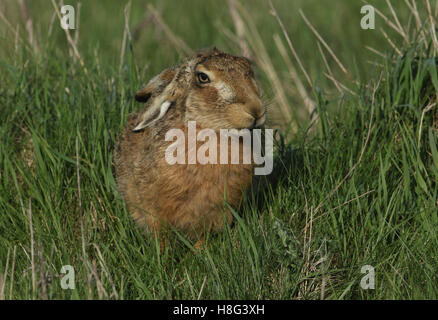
x: 289, y: 163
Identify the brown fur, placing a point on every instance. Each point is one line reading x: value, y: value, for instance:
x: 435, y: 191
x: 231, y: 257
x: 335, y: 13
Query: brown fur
x: 191, y: 197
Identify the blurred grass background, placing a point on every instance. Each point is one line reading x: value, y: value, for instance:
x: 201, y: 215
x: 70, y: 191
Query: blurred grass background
x: 202, y: 24
x: 356, y: 187
x: 198, y: 24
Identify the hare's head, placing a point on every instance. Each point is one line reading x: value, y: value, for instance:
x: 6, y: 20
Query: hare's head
x: 215, y: 89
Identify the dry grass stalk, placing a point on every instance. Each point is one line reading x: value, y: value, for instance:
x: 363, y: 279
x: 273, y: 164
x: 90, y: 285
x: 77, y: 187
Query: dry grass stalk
x: 331, y: 78
x: 11, y: 287
x: 14, y: 31
x: 202, y: 288
x: 432, y: 28
x: 289, y: 42
x: 77, y: 20
x: 2, y: 284
x: 400, y: 28
x: 43, y: 276
x: 240, y: 30
x: 108, y: 275
x: 177, y: 42
x: 308, y: 102
x: 376, y: 64
x: 309, y: 225
x: 52, y: 21
x: 32, y: 250
x: 70, y: 40
x: 413, y: 8
x: 29, y: 25
x: 3, y: 278
x: 426, y: 109
x: 17, y: 37
x: 330, y: 51
x: 78, y: 179
x: 346, y: 202
x: 391, y: 43
x: 227, y: 32
x: 329, y: 70
x: 127, y: 11
x: 76, y: 36
x: 375, y: 51
x: 325, y: 267
x: 101, y: 292
x: 305, y: 243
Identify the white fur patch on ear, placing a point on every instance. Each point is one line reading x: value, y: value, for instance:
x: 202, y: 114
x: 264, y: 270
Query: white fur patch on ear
x: 147, y: 118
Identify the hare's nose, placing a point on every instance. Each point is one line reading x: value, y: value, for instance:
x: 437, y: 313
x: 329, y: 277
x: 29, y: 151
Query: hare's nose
x: 256, y: 108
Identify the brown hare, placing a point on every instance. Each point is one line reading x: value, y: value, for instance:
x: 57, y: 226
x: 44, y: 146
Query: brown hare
x: 217, y: 91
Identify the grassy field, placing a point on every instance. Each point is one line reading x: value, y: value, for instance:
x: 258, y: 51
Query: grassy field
x: 356, y: 186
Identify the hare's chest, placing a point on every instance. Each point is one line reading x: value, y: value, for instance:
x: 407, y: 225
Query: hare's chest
x: 202, y: 169
x: 210, y: 182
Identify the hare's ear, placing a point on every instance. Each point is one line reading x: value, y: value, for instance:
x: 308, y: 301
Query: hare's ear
x: 158, y: 105
x: 156, y: 85
x: 144, y: 94
x: 154, y: 113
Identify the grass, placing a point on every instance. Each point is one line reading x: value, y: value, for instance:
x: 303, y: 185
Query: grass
x: 356, y: 187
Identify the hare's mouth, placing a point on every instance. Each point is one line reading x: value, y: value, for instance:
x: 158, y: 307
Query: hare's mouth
x: 258, y: 123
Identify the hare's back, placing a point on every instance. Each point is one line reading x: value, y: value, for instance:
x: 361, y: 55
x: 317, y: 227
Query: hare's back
x: 129, y: 159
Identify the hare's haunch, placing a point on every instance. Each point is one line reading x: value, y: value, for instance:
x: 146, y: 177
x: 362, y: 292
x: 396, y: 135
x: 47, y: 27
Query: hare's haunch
x: 217, y: 91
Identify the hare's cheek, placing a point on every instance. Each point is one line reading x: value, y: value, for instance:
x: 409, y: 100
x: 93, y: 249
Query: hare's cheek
x: 209, y: 94
x: 238, y: 118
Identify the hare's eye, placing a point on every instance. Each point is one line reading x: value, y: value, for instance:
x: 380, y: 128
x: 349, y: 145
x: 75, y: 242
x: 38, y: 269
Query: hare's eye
x: 203, y: 78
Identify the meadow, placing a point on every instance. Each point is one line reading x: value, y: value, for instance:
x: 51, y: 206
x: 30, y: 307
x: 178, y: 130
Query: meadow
x: 355, y: 167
